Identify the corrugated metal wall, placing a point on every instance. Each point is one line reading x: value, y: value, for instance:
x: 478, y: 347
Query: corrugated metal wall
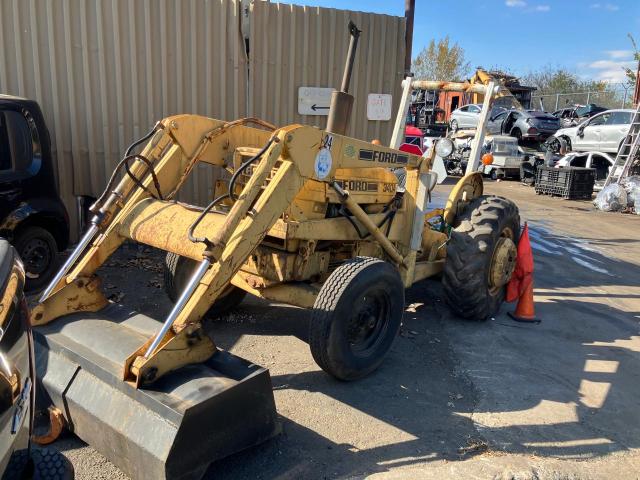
x: 104, y: 71
x: 296, y: 46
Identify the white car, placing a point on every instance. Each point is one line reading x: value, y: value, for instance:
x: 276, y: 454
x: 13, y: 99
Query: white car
x: 601, y: 161
x: 603, y: 132
x: 467, y: 116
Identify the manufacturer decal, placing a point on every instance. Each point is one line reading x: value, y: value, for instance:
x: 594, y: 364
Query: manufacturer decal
x: 363, y: 186
x: 358, y: 185
x: 382, y: 157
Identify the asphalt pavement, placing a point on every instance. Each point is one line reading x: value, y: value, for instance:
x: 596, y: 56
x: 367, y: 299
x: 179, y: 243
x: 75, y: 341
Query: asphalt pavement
x: 454, y: 399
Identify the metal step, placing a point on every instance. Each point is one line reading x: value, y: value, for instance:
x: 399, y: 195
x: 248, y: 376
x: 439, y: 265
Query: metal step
x: 623, y: 157
x: 173, y: 429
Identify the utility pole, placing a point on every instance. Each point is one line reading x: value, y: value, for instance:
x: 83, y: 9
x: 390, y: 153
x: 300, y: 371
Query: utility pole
x: 409, y: 12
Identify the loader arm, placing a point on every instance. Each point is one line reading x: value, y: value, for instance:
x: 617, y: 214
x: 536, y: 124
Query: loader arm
x: 294, y: 155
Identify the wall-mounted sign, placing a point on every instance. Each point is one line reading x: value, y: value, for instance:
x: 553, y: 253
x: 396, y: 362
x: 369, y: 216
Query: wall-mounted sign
x: 379, y: 106
x: 314, y: 100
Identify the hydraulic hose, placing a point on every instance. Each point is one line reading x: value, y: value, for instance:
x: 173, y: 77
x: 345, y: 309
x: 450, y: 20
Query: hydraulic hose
x: 243, y: 167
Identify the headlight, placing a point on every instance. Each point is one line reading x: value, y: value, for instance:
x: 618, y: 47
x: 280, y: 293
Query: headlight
x: 444, y: 147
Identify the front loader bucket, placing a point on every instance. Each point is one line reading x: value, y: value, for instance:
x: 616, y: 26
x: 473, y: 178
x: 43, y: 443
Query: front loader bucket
x: 171, y: 430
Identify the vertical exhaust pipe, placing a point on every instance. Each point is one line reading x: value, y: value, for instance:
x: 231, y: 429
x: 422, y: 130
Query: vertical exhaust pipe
x: 342, y: 101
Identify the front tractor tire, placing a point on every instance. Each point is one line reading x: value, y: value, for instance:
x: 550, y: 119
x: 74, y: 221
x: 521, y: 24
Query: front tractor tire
x: 481, y: 257
x: 356, y: 317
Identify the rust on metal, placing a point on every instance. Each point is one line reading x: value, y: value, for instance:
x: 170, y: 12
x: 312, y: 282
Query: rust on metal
x: 56, y: 424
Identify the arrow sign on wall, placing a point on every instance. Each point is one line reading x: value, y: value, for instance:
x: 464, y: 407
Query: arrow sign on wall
x: 314, y: 100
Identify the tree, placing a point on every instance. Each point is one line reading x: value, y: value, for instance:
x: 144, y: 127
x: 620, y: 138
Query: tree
x: 631, y: 74
x: 441, y: 60
x: 551, y: 81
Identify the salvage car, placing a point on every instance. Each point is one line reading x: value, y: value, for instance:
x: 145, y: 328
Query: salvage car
x: 18, y: 460
x: 32, y: 216
x: 603, y: 132
x: 600, y: 161
x: 468, y: 116
x: 524, y: 124
x: 572, y: 116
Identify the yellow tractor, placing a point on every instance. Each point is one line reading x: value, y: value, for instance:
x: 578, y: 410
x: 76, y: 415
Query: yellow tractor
x: 308, y: 217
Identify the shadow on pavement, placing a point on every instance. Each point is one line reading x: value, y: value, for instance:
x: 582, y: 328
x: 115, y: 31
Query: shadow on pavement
x: 566, y: 388
x: 451, y: 389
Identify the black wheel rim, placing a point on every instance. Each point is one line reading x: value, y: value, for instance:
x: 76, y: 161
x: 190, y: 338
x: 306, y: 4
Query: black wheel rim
x: 368, y: 322
x: 36, y: 256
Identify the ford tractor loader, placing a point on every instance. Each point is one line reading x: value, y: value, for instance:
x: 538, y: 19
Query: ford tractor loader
x: 308, y: 217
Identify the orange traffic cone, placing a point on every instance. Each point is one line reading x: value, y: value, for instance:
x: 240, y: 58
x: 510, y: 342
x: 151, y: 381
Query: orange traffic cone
x: 525, y: 311
x: 520, y: 286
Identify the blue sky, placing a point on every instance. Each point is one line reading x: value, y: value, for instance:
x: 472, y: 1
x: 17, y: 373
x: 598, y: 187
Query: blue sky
x: 588, y: 37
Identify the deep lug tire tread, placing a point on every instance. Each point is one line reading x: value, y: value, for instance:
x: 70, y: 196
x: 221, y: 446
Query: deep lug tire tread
x: 466, y: 270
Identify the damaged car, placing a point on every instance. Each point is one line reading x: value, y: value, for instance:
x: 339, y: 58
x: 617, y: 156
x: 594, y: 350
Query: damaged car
x: 603, y: 132
x: 572, y: 116
x: 525, y: 125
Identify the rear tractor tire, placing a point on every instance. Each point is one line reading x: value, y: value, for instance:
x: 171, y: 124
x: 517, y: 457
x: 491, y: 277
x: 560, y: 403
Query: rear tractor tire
x: 356, y: 317
x: 178, y: 270
x: 481, y: 257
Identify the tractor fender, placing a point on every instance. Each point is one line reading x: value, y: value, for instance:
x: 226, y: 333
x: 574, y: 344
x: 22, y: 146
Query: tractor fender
x: 468, y: 188
x: 44, y: 212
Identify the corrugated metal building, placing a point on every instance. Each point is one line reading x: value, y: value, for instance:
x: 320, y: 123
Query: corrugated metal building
x: 104, y: 71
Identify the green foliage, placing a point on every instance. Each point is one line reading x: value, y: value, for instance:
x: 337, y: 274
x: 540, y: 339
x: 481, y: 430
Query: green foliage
x: 441, y: 60
x: 552, y: 80
x: 631, y: 74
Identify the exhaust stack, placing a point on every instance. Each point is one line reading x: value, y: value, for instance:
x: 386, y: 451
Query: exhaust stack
x: 342, y: 101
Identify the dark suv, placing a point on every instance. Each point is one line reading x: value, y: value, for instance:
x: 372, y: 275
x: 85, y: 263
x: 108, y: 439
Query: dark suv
x: 32, y: 216
x: 18, y: 460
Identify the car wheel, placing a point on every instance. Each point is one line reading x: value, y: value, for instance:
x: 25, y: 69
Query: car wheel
x: 620, y: 147
x: 454, y: 125
x: 38, y: 250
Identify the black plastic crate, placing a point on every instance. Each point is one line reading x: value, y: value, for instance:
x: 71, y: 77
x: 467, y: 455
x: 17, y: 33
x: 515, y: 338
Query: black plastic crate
x: 571, y: 183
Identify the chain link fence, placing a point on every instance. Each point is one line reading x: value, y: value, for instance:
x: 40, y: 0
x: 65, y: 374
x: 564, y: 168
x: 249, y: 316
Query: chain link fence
x: 617, y: 95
